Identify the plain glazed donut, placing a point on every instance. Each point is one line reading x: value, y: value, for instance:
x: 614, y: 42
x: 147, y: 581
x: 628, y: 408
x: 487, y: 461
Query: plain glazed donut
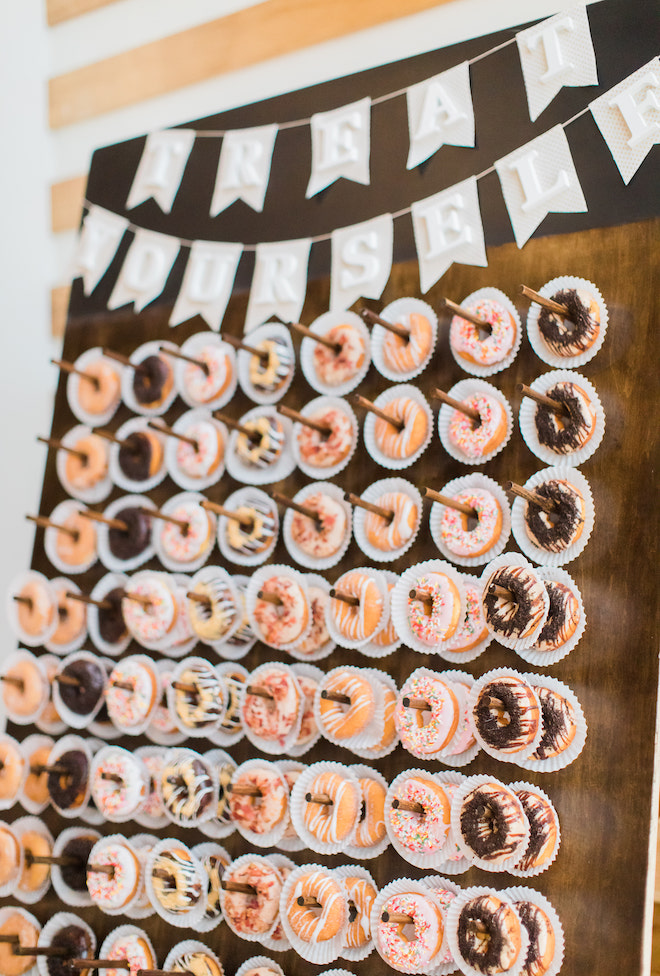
x: 153, y: 379
x: 253, y: 913
x: 583, y: 323
x: 563, y: 617
x: 388, y: 635
x: 426, y: 731
x: 389, y: 725
x: 441, y: 623
x: 357, y: 623
x: 343, y: 720
x: 389, y: 534
x: 285, y: 622
x: 336, y: 368
x: 203, y: 460
x: 36, y: 608
x: 310, y: 924
x: 559, y: 724
x: 492, y: 823
x: 473, y: 630
x: 325, y: 450
x: 10, y: 856
x: 205, y: 386
x: 83, y: 473
x: 473, y: 438
x: 25, y: 689
x: 334, y: 822
x: 71, y: 618
x: 420, y: 833
x: 405, y: 355
x: 322, y: 537
x: 35, y: 787
x: 556, y: 532
x: 507, y: 714
x: 371, y: 824
x: 455, y: 528
x: 399, y: 444
x: 465, y: 337
x: 543, y: 830
x: 16, y: 924
x: 519, y: 616
x: 78, y: 549
x: 541, y: 949
x: 558, y: 432
x: 12, y: 767
x: 100, y: 390
x: 489, y: 934
x: 259, y: 814
x: 361, y: 896
x: 272, y: 719
x: 415, y: 952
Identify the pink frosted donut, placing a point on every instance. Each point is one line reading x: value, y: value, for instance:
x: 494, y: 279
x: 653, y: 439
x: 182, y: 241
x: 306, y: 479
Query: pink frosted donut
x: 187, y: 545
x: 272, y: 718
x: 422, y: 832
x: 440, y: 624
x: 318, y: 634
x: 253, y: 913
x: 477, y: 439
x: 284, y: 622
x: 150, y: 622
x: 465, y: 339
x: 321, y: 450
x: 410, y: 955
x: 128, y: 709
x: 455, y: 532
x: 473, y: 630
x: 263, y: 813
x: 202, y: 387
x: 426, y: 731
x: 132, y: 947
x: 462, y: 738
x: 118, y: 799
x: 115, y: 890
x: 206, y: 459
x: 335, y: 368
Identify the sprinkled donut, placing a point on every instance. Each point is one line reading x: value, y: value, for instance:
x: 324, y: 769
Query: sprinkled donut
x: 388, y: 535
x: 506, y: 714
x: 253, y: 913
x: 272, y: 718
x: 561, y: 433
x: 204, y: 386
x: 334, y: 822
x: 318, y: 634
x: 308, y: 727
x: 320, y: 538
x: 492, y: 823
x: 422, y: 832
x: 361, y: 896
x: 113, y: 891
x: 577, y: 332
x: 129, y: 709
x: 411, y: 954
x: 204, y: 459
x: 101, y: 391
x: 308, y: 924
x: 465, y: 337
x: 132, y: 947
x: 187, y: 545
x: 262, y: 813
x: 455, y: 527
x: 440, y: 624
x: 118, y: 783
x: 357, y: 623
x: 281, y: 623
x: 336, y: 368
x: 83, y: 473
x: 152, y: 621
x: 371, y: 824
x: 399, y: 444
x: 473, y: 438
x: 426, y: 731
x: 405, y: 355
x: 325, y: 450
x: 343, y: 720
x: 519, y: 615
x: 489, y: 934
x: 556, y: 532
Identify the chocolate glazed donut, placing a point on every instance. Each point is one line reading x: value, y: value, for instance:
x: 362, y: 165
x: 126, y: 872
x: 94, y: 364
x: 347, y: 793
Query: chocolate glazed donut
x: 491, y: 823
x: 77, y: 943
x: 126, y: 544
x: 556, y: 532
x: 564, y: 341
x: 82, y: 698
x: 569, y: 432
x: 75, y: 875
x: 559, y: 726
x: 111, y: 620
x: 67, y: 789
x: 521, y: 615
x: 542, y: 829
x: 506, y: 714
x: 489, y: 934
x: 150, y: 380
x: 135, y: 456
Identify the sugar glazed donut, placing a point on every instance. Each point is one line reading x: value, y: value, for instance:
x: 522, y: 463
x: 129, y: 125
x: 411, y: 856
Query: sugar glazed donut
x: 325, y: 450
x: 401, y: 443
x: 131, y: 693
x: 334, y: 367
x: 82, y: 473
x: 489, y: 934
x: 518, y: 615
x: 357, y: 623
x: 567, y: 432
x: 113, y: 891
x: 284, y: 622
x: 262, y: 813
x: 371, y: 824
x: 344, y: 719
x: 434, y: 622
x: 478, y: 438
x: 152, y: 617
x: 311, y: 924
x: 361, y: 896
x: 252, y: 913
x: 426, y: 730
x: 272, y: 714
x: 423, y: 830
x: 499, y: 333
x: 492, y: 824
x: 575, y: 333
x: 457, y: 530
x: 323, y: 536
x: 331, y: 808
x: 75, y: 541
x: 414, y: 951
x: 386, y: 535
x: 100, y: 389
x: 404, y: 355
x: 561, y: 529
x: 506, y: 714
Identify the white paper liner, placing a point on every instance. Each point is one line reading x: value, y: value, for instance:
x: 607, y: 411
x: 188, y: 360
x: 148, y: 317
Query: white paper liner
x: 532, y: 872
x: 377, y: 751
x: 457, y: 656
x: 73, y: 719
x: 120, y: 933
x: 181, y: 426
x: 181, y: 920
x: 495, y: 295
x: 574, y: 477
x: 98, y: 491
x: 193, y: 347
x: 470, y: 783
x: 257, y: 580
x: 293, y: 843
x: 371, y: 649
x: 236, y: 864
x: 536, y: 340
x: 402, y: 886
x: 16, y: 585
x: 368, y: 430
x: 133, y: 426
x: 65, y: 744
x: 178, y: 753
x: 457, y: 760
x: 19, y: 656
x: 269, y: 330
x: 168, y: 508
x: 59, y: 514
x: 462, y: 391
x: 77, y: 899
x: 527, y: 424
x: 466, y: 483
x: 279, y: 469
x: 479, y: 684
x: 151, y: 348
x: 371, y: 494
x: 182, y: 639
x: 399, y: 604
x: 298, y: 802
x: 269, y: 838
x: 296, y: 553
x: 28, y: 747
x: 453, y: 916
x: 221, y: 736
x: 107, y: 583
x: 19, y: 828
x: 62, y: 583
x: 314, y: 579
x: 254, y: 962
x: 55, y: 924
x: 281, y: 745
x: 429, y: 861
x: 571, y: 753
x: 318, y: 953
x: 344, y: 871
x: 201, y: 851
x: 46, y: 722
x: 440, y: 889
x: 214, y: 828
x: 193, y: 731
x: 338, y: 637
x: 398, y: 312
x: 149, y: 664
x: 514, y: 559
x: 371, y: 733
x: 375, y: 850
x: 321, y: 326
x: 159, y: 736
x: 187, y: 946
x: 73, y: 383
x: 246, y: 496
x: 543, y: 659
x: 315, y: 406
x: 143, y: 816
x: 336, y: 972
x: 520, y: 893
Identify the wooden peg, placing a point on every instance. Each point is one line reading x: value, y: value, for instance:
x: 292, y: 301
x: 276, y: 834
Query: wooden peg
x: 45, y: 523
x: 112, y: 523
x: 328, y: 343
x: 335, y: 696
x: 301, y: 419
x: 67, y: 367
x: 435, y: 496
x: 109, y: 436
x: 251, y: 435
x: 321, y: 798
x: 199, y: 598
x: 258, y: 691
x: 421, y: 595
x: 352, y: 601
x: 466, y: 314
x: 99, y: 963
x: 530, y: 496
x: 270, y: 598
x: 361, y: 401
x: 244, y: 790
x: 59, y: 446
x: 408, y: 805
x: 83, y: 598
x: 187, y: 359
x: 308, y: 902
x: 157, y: 514
x: 370, y: 318
x: 168, y: 432
x: 501, y: 592
x: 239, y: 344
x: 243, y: 889
x: 397, y: 918
x: 419, y: 703
x: 457, y: 405
x: 385, y: 513
x: 543, y: 301
x: 57, y: 951
x: 287, y: 502
x: 101, y: 869
x: 559, y: 408
x: 124, y: 360
x: 243, y: 520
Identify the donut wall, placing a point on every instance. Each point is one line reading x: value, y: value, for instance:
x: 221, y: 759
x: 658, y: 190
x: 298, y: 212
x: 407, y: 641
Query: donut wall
x: 481, y: 680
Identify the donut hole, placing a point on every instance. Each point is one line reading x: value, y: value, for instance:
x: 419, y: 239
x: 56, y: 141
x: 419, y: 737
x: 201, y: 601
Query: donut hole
x: 471, y: 522
x: 479, y: 936
x: 407, y: 932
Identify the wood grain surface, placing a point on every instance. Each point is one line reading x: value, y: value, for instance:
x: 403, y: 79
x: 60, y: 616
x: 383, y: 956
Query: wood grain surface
x: 604, y: 798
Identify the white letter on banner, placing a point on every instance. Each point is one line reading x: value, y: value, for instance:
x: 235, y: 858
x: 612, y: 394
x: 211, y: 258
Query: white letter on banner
x: 448, y: 229
x: 145, y: 269
x: 537, y: 179
x: 555, y: 53
x: 361, y: 261
x: 440, y: 113
x: 97, y: 245
x: 244, y: 168
x: 279, y: 282
x: 340, y: 145
x: 207, y: 282
x: 161, y: 167
x: 633, y: 111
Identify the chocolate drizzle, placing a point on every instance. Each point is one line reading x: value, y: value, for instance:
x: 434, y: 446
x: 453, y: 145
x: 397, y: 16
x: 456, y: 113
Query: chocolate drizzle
x: 506, y: 715
x: 483, y: 939
x: 559, y: 726
x: 563, y: 341
x: 564, y: 434
x: 520, y: 616
x: 542, y: 829
x: 537, y: 924
x: 558, y: 531
x: 491, y: 823
x: 563, y: 617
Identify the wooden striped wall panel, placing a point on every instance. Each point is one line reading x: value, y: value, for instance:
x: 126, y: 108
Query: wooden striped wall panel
x: 57, y: 11
x: 66, y: 200
x: 59, y: 306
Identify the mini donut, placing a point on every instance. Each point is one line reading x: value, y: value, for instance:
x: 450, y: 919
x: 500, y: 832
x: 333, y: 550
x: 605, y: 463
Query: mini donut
x: 325, y: 450
x: 308, y: 727
x: 153, y: 379
x: 77, y: 941
x: 460, y: 536
x: 132, y: 947
x: 17, y: 924
x: 361, y: 896
x: 205, y: 386
x: 371, y: 824
x: 68, y: 790
x: 463, y: 738
x: 389, y: 725
x: 83, y: 697
x: 225, y: 773
x: 204, y: 707
x: 113, y: 891
x: 184, y: 888
x: 233, y: 682
x: 197, y: 963
x: 492, y: 823
x: 131, y: 709
x: 243, y: 637
x: 211, y: 620
x: 186, y: 786
x: 266, y: 444
x: 270, y: 371
x: 100, y: 389
x: 516, y: 618
x: 466, y: 340
x: 154, y: 762
x: 151, y: 622
x: 386, y: 535
x: 317, y: 636
x: 253, y: 913
x: 189, y: 544
x: 420, y: 833
x: 357, y: 623
x: 334, y: 822
x: 439, y: 625
x: 35, y: 787
x: 118, y: 783
x: 474, y: 438
x: 256, y: 532
x: 562, y: 620
x: 272, y: 719
x: 323, y: 537
x: 71, y: 618
x: 285, y: 622
x: 262, y: 813
x: 416, y: 951
x: 141, y: 456
x: 507, y: 715
x: 83, y: 473
x: 399, y: 444
x: 334, y: 368
x: 388, y: 635
x: 568, y: 432
x: 311, y: 924
x: 214, y: 864
x: 111, y: 624
x: 473, y: 630
x: 426, y: 731
x: 204, y: 459
x: 542, y: 942
x: 558, y: 531
x: 34, y: 876
x: 342, y: 720
x: 78, y: 549
x: 36, y: 608
x: 489, y: 934
x: 405, y: 355
x: 291, y: 777
x: 543, y: 830
x: 24, y: 688
x: 575, y: 333
x: 559, y: 724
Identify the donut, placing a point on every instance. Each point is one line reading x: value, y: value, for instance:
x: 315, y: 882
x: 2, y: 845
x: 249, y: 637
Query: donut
x: 558, y: 531
x: 35, y: 843
x: 77, y: 943
x: 371, y: 824
x: 334, y: 822
x: 439, y: 624
x: 342, y: 720
x: 113, y: 891
x: 78, y: 549
x: 233, y: 683
x: 212, y: 619
x: 17, y: 924
x: 131, y: 709
x: 311, y: 924
x: 197, y: 963
x: 426, y: 731
x: 386, y: 535
x: 78, y: 849
x: 257, y: 530
x: 118, y: 783
x: 71, y: 618
x: 151, y: 622
x: 388, y: 635
x: 153, y: 379
x: 253, y: 913
x: 325, y: 450
x: 492, y: 823
x: 82, y: 473
x: 405, y: 355
x: 317, y: 636
x: 83, y: 697
x: 308, y: 727
x: 12, y: 769
x: 35, y: 787
x: 187, y: 787
x: 100, y: 390
x: 519, y: 617
x: 541, y: 934
x: 473, y: 630
x: 214, y: 863
x: 269, y: 371
x: 422, y: 832
x: 483, y: 346
x: 361, y: 896
x: 389, y: 727
x: 291, y: 777
x: 10, y: 856
x: 506, y: 714
x: 186, y: 545
x: 132, y: 947
x: 259, y: 814
x: 476, y: 439
x: 265, y: 443
x: 243, y: 636
x: 489, y: 934
x: 110, y: 618
x: 357, y: 623
x: 50, y: 719
x: 562, y: 620
x: 36, y: 607
x: 459, y: 533
x: 184, y: 887
x: 405, y: 950
x: 24, y: 688
x: 334, y: 367
x: 273, y: 718
x: 568, y: 432
x: 559, y: 724
x: 400, y: 444
x: 324, y: 536
x: 153, y: 762
x: 202, y: 459
x: 206, y: 385
x: 141, y: 455
x: 68, y: 790
x: 285, y: 622
x: 575, y: 333
x: 203, y: 707
x: 543, y: 830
